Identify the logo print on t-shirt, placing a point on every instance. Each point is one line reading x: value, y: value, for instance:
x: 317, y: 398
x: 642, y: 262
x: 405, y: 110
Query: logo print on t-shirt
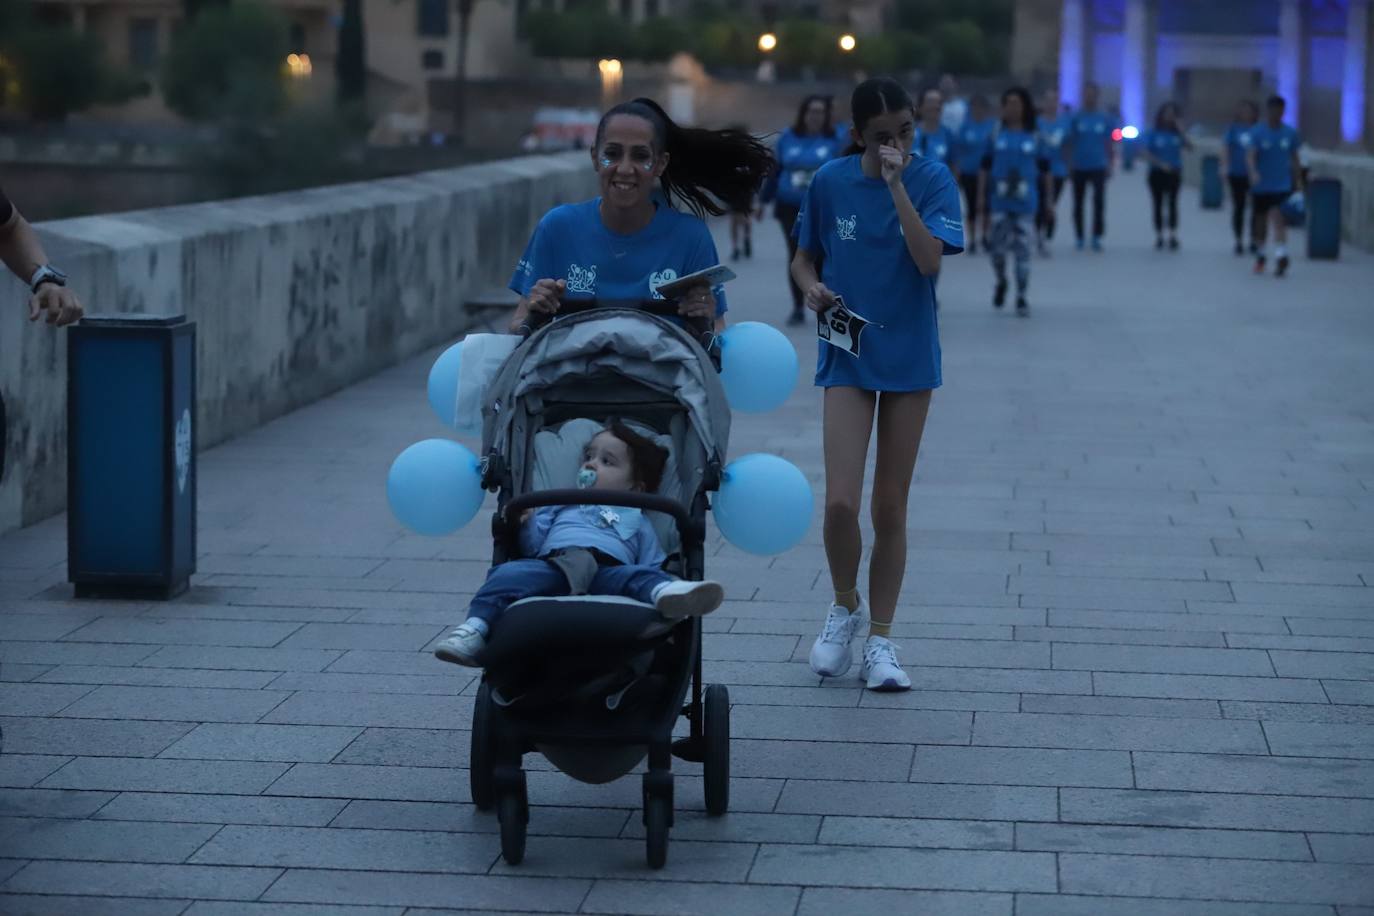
x: 581, y: 279
x: 845, y: 228
x: 660, y: 277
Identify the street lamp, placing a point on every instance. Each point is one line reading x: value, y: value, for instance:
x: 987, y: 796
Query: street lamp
x: 847, y: 43
x: 611, y: 73
x: 767, y: 42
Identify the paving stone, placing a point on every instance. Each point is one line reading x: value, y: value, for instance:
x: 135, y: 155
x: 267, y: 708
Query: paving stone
x: 122, y: 774
x: 1355, y: 692
x: 1315, y: 626
x: 1022, y: 767
x: 289, y: 743
x: 1355, y: 666
x: 1070, y: 905
x: 464, y: 818
x: 10, y: 866
x: 25, y: 770
x: 926, y: 869
x: 881, y: 799
x: 372, y: 710
x: 180, y: 704
x: 1220, y: 844
x: 1174, y: 622
x: 340, y: 848
x: 1163, y: 660
x: 208, y: 908
x: 169, y: 631
x: 41, y: 627
x: 241, y: 659
x: 70, y: 737
x: 39, y: 699
x: 122, y: 879
x: 933, y: 699
x: 16, y: 673
x: 822, y: 901
x: 644, y: 898
x: 51, y: 803
x: 898, y: 726
x: 552, y: 788
x: 1121, y: 636
x: 155, y: 677
x: 1320, y: 740
x: 915, y: 832
x: 607, y: 858
x: 1334, y: 595
x: 103, y: 841
x: 1122, y: 706
x: 220, y: 809
x: 530, y: 894
x: 1226, y: 811
x: 59, y: 905
x: 1115, y: 733
x: 338, y: 780
x: 1262, y: 775
x: 1209, y: 687
x: 330, y: 681
x: 1350, y: 848
x: 394, y: 637
x: 1299, y: 712
x: 738, y: 827
x: 1217, y: 879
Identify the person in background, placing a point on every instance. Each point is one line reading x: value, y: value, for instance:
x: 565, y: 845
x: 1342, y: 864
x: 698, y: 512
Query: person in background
x: 1163, y: 146
x: 933, y: 139
x: 1053, y: 126
x: 1015, y: 184
x: 1275, y: 172
x: 22, y: 252
x: 1235, y: 165
x: 970, y: 143
x: 741, y: 226
x: 802, y: 149
x: 1090, y: 162
x: 956, y: 108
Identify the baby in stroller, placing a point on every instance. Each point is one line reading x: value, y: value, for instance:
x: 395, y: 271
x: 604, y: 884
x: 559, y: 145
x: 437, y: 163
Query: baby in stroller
x: 587, y: 549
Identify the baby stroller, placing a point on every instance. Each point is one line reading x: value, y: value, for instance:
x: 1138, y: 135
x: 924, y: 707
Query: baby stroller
x: 597, y: 683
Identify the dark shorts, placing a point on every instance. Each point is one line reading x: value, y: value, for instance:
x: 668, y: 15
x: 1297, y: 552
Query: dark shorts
x: 1266, y: 201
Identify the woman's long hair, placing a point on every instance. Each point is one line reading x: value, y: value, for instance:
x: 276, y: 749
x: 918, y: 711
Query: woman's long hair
x: 799, y: 128
x: 706, y: 168
x: 1159, y: 117
x: 1027, y: 106
x: 873, y: 97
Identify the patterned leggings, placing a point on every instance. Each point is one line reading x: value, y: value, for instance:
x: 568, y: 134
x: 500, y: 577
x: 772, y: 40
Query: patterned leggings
x: 1011, y: 233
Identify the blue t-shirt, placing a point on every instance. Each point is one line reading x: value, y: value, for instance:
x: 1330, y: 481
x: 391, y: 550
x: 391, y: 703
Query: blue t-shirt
x: 1237, y: 149
x: 798, y: 159
x: 1014, y: 161
x: 1090, y: 132
x: 1053, y: 133
x: 850, y: 221
x: 1166, y: 146
x: 1274, y: 148
x: 937, y: 144
x: 571, y: 243
x: 971, y: 143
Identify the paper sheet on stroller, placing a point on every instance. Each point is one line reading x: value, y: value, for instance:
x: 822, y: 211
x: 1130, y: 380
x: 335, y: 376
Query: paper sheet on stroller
x: 481, y: 357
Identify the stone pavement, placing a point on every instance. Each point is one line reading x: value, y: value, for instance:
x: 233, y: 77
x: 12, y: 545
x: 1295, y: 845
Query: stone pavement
x: 1139, y: 615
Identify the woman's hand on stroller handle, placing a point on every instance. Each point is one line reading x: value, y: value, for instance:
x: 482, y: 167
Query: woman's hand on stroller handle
x: 545, y: 296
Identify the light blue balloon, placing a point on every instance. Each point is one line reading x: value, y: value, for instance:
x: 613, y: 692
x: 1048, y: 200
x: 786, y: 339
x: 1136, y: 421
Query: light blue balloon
x: 758, y: 366
x: 443, y: 385
x: 764, y: 504
x: 434, y: 487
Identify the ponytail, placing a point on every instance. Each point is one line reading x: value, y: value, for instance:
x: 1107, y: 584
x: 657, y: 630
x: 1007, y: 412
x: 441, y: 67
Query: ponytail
x: 874, y: 97
x: 706, y: 168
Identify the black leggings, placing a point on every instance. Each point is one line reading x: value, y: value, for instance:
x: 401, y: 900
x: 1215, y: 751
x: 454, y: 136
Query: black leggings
x: 1045, y: 217
x: 1164, y: 192
x: 1081, y: 179
x: 1240, y: 194
x: 787, y: 218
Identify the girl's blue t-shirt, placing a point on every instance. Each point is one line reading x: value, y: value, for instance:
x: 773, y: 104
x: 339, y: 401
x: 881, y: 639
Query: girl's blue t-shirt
x: 571, y: 243
x: 1166, y: 146
x: 971, y: 143
x: 1053, y: 132
x: 937, y: 144
x: 1090, y: 131
x: 1237, y: 150
x: 1015, y: 159
x: 1274, y: 149
x: 798, y: 157
x: 850, y: 221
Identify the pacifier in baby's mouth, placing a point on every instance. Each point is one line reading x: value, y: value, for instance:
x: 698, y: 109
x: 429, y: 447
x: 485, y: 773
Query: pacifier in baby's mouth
x: 585, y: 478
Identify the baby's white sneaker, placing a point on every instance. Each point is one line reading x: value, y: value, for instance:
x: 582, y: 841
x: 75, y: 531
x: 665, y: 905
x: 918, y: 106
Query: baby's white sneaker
x: 464, y: 646
x: 681, y: 598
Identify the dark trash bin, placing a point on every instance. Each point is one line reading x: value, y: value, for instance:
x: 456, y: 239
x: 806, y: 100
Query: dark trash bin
x: 1211, y: 182
x: 1324, y: 219
x: 131, y: 478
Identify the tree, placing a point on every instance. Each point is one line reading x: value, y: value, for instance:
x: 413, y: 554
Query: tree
x: 228, y: 63
x: 962, y: 48
x: 350, y: 66
x: 56, y: 70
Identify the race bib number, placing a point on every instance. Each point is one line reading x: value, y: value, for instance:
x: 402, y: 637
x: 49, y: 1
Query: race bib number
x: 840, y: 327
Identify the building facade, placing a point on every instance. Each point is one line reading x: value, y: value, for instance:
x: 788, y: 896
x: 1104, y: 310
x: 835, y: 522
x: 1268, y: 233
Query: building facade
x: 1206, y: 55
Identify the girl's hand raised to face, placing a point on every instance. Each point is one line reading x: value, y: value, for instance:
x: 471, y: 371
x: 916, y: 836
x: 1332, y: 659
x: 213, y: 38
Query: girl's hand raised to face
x: 893, y: 162
x: 819, y: 298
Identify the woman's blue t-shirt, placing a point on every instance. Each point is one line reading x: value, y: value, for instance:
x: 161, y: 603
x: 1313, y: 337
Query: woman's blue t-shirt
x: 1166, y: 146
x: 1015, y: 159
x: 1090, y: 131
x: 798, y: 157
x: 937, y: 144
x: 1237, y: 150
x: 571, y: 243
x: 971, y: 143
x: 850, y: 221
x: 1053, y: 132
x: 1274, y: 149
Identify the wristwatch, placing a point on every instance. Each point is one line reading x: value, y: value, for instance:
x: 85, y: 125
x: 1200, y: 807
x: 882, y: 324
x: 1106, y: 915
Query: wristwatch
x: 47, y: 274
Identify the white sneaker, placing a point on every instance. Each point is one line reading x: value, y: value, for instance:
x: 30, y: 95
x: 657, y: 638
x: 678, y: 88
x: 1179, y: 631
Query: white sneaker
x: 464, y: 645
x: 687, y: 599
x: 830, y: 655
x: 880, y: 666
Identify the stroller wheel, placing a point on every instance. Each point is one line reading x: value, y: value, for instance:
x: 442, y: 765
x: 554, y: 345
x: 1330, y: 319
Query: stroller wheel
x: 479, y: 761
x: 513, y: 813
x: 657, y: 816
x: 716, y: 763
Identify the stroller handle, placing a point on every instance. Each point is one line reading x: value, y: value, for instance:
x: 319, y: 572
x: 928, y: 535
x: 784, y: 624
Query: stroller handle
x: 703, y: 328
x: 688, y: 530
